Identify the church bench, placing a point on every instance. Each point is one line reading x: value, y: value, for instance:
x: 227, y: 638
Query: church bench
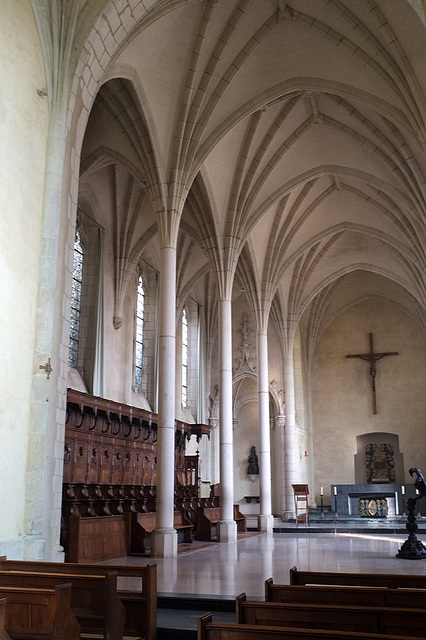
x: 208, y: 518
x: 137, y: 588
x: 389, y: 580
x: 357, y: 596
x: 94, y: 599
x: 240, y: 519
x: 143, y: 524
x: 181, y: 524
x: 207, y: 521
x: 3, y: 633
x: 39, y: 614
x: 96, y: 539
x: 381, y: 620
x: 209, y: 630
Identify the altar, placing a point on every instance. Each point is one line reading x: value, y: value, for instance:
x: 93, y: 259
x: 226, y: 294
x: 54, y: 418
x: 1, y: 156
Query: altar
x: 345, y: 499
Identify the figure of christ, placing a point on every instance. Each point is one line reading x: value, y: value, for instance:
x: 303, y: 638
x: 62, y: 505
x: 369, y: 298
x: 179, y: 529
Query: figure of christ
x: 372, y: 358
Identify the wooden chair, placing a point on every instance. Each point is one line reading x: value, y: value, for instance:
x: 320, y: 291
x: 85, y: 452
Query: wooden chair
x: 301, y: 493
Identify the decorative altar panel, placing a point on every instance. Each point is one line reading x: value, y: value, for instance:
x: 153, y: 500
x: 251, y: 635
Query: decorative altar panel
x: 345, y: 498
x: 378, y: 459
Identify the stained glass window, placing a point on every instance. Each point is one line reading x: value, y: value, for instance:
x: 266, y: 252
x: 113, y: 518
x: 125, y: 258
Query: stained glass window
x: 184, y: 358
x: 139, y: 335
x: 77, y: 279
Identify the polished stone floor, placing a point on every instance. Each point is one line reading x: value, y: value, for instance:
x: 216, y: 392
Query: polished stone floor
x: 225, y: 570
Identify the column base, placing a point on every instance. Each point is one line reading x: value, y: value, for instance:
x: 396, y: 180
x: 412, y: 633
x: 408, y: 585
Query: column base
x: 289, y: 515
x: 227, y: 531
x: 164, y: 543
x: 265, y: 523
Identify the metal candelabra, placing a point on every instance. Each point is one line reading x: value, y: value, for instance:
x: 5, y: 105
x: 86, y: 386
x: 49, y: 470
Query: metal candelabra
x: 413, y: 549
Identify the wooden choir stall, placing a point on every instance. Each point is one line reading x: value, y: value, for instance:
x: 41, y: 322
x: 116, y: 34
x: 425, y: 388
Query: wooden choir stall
x: 110, y: 479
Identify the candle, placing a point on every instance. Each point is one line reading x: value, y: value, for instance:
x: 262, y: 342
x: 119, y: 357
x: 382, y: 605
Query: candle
x: 403, y: 490
x: 335, y: 491
x: 322, y: 491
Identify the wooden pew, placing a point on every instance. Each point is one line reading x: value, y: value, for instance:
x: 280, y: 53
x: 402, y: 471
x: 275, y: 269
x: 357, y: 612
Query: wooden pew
x: 207, y: 522
x: 208, y: 519
x: 137, y: 589
x: 143, y: 524
x: 208, y: 630
x: 357, y: 596
x: 3, y: 633
x: 381, y: 620
x: 240, y: 519
x: 39, y: 614
x: 96, y: 539
x: 94, y: 599
x: 183, y: 526
x: 389, y: 580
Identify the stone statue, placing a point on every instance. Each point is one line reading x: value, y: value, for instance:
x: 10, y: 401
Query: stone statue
x: 253, y: 467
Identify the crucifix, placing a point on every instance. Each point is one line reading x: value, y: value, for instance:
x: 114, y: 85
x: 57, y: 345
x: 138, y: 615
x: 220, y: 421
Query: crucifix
x: 372, y: 358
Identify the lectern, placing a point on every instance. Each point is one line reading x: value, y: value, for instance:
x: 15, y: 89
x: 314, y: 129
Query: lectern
x: 301, y: 493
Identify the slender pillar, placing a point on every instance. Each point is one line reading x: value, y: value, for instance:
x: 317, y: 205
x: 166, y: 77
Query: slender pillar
x: 227, y: 525
x: 279, y: 449
x: 164, y: 538
x: 289, y: 437
x: 265, y: 520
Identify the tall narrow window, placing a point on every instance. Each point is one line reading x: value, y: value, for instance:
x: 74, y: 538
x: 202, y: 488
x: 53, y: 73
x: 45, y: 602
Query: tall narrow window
x: 184, y: 358
x: 139, y: 335
x: 77, y: 279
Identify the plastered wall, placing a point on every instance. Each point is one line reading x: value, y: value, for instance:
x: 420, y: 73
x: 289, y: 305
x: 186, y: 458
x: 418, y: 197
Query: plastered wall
x: 23, y: 126
x: 341, y: 390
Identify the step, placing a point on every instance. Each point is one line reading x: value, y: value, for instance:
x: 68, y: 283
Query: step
x: 177, y: 615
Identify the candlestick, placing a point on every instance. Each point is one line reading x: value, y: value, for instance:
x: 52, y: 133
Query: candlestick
x: 322, y: 491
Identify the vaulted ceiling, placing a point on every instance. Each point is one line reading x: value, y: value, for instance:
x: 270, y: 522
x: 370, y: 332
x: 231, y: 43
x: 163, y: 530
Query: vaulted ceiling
x: 291, y: 138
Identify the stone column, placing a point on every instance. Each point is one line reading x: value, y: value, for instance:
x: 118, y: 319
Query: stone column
x: 289, y: 438
x: 227, y: 524
x: 265, y: 520
x: 279, y: 461
x: 164, y: 538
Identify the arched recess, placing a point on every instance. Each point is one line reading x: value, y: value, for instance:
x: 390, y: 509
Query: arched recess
x: 246, y: 431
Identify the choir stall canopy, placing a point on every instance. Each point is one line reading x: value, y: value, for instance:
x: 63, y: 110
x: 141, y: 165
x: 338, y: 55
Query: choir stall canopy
x: 301, y: 493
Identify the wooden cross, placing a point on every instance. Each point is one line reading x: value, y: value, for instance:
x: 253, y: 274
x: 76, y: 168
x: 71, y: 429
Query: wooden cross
x: 372, y: 358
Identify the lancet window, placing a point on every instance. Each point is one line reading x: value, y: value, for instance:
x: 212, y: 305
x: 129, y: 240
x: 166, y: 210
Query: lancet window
x: 184, y: 358
x: 76, y: 297
x: 139, y: 326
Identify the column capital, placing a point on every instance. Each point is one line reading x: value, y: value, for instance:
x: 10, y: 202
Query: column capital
x: 280, y: 421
